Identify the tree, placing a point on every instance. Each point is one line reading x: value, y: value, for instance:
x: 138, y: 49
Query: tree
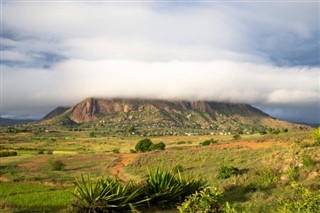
x: 143, y: 145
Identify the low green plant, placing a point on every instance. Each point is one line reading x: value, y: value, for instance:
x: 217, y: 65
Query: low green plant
x: 57, y: 165
x: 157, y: 146
x: 165, y: 188
x: 301, y: 200
x: 206, y: 201
x: 237, y: 137
x: 106, y: 195
x: 178, y: 168
x: 225, y: 172
x: 266, y: 178
x: 315, y: 134
x: 208, y: 142
x: 40, y: 152
x: 116, y: 150
x: 307, y: 160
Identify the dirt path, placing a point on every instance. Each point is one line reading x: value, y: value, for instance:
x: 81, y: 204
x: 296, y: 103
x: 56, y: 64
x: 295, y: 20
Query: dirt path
x: 121, y: 163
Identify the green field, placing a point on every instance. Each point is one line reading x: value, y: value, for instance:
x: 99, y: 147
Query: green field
x: 270, y: 166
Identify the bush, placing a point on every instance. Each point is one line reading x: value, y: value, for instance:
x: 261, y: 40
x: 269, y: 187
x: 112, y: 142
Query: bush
x: 208, y: 142
x: 8, y: 153
x: 116, y: 150
x: 301, y: 200
x: 49, y: 152
x: 227, y: 171
x: 40, y: 152
x: 266, y: 178
x: 57, y: 165
x: 158, y: 146
x: 143, y: 145
x: 236, y: 137
x: 92, y: 134
x: 206, y: 200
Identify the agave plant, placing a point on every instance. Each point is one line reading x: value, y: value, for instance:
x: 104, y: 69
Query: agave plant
x: 106, y: 195
x: 165, y: 189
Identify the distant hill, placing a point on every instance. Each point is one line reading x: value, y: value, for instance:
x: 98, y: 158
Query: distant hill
x: 164, y: 115
x: 12, y: 122
x: 54, y: 113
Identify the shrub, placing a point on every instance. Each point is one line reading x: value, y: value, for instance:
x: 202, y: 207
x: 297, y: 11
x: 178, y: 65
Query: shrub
x: 57, y: 165
x: 158, y: 146
x: 266, y: 178
x: 116, y: 150
x: 92, y: 134
x: 206, y: 200
x: 208, y: 142
x: 143, y: 145
x: 301, y: 200
x: 225, y: 172
x: 40, y: 152
x: 49, y: 152
x: 237, y: 137
x: 263, y: 132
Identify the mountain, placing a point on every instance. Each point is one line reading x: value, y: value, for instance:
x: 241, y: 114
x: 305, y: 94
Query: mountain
x: 163, y: 115
x: 12, y: 122
x: 54, y: 113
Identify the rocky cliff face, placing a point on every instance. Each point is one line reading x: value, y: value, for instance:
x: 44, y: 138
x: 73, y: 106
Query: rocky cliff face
x: 87, y: 110
x: 167, y: 114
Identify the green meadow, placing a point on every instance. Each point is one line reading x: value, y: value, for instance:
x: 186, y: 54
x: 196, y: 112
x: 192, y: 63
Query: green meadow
x: 274, y: 172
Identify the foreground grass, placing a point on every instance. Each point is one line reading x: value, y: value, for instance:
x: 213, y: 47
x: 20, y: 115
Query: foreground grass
x: 34, y: 197
x: 266, y: 174
x: 267, y: 168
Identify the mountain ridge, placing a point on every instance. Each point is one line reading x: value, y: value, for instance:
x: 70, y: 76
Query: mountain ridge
x: 170, y: 114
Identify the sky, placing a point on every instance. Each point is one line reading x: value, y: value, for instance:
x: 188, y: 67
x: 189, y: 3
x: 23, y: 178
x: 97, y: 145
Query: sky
x: 263, y: 53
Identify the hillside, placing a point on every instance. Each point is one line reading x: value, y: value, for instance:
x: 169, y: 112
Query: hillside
x: 168, y: 116
x: 56, y: 112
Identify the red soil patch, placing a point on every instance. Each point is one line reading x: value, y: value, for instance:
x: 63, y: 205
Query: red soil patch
x: 121, y: 163
x: 35, y: 163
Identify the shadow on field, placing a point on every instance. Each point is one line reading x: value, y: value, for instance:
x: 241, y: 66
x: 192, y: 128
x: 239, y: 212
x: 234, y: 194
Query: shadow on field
x: 236, y: 194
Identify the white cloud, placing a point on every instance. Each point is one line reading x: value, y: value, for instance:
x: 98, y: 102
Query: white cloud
x: 212, y: 51
x: 70, y: 81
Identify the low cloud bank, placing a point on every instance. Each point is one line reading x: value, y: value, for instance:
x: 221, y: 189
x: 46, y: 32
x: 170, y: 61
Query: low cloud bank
x: 71, y: 81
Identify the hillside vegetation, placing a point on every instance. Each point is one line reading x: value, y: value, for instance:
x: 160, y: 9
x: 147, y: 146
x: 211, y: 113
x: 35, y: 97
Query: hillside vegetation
x: 264, y: 172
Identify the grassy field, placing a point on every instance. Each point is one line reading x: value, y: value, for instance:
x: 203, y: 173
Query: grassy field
x: 269, y: 165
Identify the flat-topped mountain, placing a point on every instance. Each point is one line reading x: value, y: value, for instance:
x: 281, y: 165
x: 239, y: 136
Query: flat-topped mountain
x: 166, y: 114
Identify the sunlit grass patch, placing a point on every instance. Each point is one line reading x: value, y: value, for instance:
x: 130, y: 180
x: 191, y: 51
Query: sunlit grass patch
x: 34, y: 196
